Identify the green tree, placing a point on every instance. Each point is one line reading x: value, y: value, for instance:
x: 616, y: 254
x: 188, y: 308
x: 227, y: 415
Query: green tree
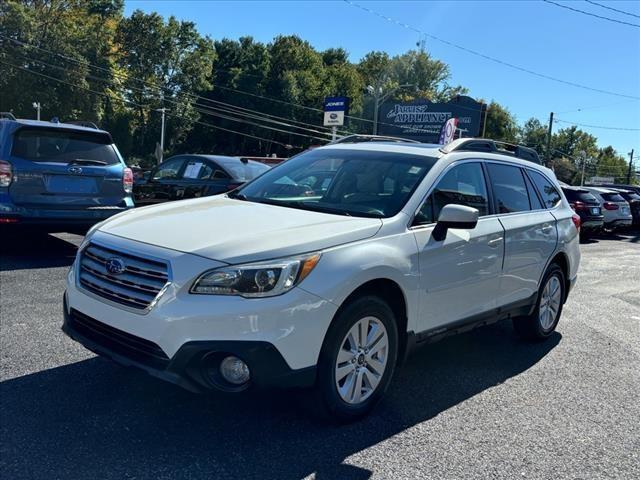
x: 165, y: 63
x: 501, y: 125
x: 81, y: 31
x: 533, y: 134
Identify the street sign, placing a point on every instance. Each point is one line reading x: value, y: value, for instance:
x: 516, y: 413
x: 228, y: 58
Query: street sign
x: 335, y: 109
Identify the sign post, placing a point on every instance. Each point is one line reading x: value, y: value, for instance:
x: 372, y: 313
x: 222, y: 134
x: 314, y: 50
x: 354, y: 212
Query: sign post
x: 335, y: 110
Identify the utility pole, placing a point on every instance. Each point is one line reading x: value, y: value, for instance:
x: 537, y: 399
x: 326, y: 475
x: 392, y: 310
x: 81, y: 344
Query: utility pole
x: 37, y: 106
x: 548, y: 152
x: 484, y: 121
x: 334, y: 133
x: 584, y: 164
x: 162, y: 110
x: 630, y: 166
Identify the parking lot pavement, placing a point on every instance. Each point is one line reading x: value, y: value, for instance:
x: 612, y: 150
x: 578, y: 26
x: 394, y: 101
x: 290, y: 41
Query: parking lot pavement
x: 480, y: 405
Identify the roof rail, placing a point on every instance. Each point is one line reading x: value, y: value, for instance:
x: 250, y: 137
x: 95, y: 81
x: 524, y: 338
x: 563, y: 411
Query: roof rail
x: 492, y: 146
x: 357, y: 138
x: 83, y: 123
x: 7, y: 116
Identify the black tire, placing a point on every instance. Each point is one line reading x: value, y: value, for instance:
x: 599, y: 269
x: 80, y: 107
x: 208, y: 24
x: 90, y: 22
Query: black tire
x: 530, y: 327
x: 331, y: 406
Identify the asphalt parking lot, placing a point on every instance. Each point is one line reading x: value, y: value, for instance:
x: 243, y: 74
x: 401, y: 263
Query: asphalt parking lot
x: 480, y: 405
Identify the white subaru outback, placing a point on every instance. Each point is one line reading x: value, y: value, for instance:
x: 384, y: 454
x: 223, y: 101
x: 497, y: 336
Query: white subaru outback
x: 327, y: 270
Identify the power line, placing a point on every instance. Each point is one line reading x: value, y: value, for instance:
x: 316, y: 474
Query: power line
x: 613, y: 9
x: 487, y: 57
x: 159, y: 88
x: 207, y: 110
x: 577, y: 10
x: 146, y: 106
x: 600, y: 126
x: 593, y: 108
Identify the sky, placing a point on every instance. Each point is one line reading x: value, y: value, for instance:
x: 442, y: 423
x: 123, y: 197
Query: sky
x: 534, y: 35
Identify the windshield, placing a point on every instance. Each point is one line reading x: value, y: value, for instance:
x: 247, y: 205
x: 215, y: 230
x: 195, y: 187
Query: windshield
x: 345, y: 182
x: 63, y: 146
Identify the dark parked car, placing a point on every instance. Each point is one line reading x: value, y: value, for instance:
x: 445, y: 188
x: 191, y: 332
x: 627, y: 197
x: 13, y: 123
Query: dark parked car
x: 633, y: 188
x: 633, y: 199
x: 190, y: 176
x: 58, y: 177
x: 588, y: 207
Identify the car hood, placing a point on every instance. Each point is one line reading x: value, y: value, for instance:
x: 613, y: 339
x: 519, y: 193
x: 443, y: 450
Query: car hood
x: 236, y: 231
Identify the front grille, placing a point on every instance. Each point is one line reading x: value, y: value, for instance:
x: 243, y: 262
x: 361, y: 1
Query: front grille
x: 136, y: 284
x: 123, y: 343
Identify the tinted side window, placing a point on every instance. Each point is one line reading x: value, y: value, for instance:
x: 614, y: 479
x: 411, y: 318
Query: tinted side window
x: 550, y: 196
x: 509, y: 189
x: 169, y: 169
x: 535, y: 202
x: 462, y: 185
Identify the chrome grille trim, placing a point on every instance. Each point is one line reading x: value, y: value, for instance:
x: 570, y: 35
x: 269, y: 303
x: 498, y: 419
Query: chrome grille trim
x: 139, y: 285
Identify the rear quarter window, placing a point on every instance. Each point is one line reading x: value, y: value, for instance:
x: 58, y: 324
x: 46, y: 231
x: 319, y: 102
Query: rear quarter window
x: 63, y: 146
x: 550, y: 195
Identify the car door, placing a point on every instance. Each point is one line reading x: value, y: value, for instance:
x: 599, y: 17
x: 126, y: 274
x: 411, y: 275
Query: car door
x: 459, y: 276
x: 530, y: 231
x: 162, y: 184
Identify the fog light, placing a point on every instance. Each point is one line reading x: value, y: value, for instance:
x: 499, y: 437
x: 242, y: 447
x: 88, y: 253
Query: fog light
x: 234, y: 370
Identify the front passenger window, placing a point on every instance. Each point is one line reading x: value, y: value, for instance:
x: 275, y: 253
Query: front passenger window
x: 462, y: 185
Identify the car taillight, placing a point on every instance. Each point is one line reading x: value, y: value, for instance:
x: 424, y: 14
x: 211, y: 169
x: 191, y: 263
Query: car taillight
x: 610, y: 206
x: 5, y: 174
x: 127, y: 180
x: 576, y: 221
x: 578, y: 205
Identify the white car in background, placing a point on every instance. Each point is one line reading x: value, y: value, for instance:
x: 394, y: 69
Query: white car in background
x: 279, y: 283
x: 616, y: 210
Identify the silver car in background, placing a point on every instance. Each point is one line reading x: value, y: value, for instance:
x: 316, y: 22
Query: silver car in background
x: 616, y: 210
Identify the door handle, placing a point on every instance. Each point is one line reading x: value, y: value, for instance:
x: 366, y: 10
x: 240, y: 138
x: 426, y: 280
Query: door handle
x: 494, y: 242
x: 546, y: 228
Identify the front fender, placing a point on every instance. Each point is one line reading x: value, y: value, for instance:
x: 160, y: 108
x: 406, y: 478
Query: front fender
x: 344, y: 269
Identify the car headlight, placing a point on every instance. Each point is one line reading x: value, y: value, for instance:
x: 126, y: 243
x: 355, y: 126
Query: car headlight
x: 263, y: 279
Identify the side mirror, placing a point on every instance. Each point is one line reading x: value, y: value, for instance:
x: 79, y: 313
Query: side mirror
x: 454, y: 216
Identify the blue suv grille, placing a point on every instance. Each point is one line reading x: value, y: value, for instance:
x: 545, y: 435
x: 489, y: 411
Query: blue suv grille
x: 121, y: 277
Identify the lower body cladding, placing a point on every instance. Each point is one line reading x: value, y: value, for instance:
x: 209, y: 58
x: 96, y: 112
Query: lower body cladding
x: 220, y: 360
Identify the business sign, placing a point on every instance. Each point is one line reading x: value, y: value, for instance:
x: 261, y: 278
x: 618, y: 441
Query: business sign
x: 335, y: 109
x: 601, y: 180
x: 424, y: 121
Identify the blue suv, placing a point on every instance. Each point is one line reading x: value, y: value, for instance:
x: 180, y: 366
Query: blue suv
x: 58, y: 176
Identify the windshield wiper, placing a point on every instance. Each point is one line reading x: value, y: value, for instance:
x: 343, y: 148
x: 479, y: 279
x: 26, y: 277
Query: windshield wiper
x: 85, y: 161
x: 300, y: 205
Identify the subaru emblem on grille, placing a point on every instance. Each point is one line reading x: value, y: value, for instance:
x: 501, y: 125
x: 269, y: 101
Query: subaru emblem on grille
x: 115, y: 265
x: 76, y: 170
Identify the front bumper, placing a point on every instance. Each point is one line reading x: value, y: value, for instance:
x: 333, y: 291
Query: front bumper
x: 191, y: 365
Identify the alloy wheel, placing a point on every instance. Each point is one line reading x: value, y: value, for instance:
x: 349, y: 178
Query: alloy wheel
x: 361, y: 360
x: 550, y: 303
